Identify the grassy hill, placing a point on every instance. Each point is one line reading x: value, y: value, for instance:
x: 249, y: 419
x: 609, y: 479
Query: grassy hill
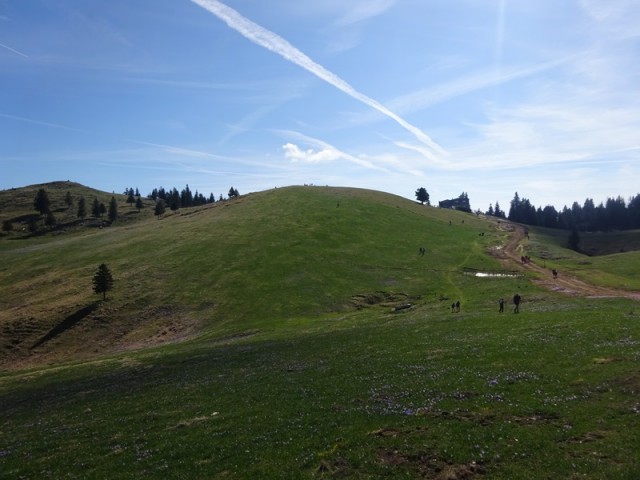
x: 16, y: 206
x: 224, y: 268
x: 258, y: 338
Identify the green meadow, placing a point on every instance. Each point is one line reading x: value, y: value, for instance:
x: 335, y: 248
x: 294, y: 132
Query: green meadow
x: 298, y: 333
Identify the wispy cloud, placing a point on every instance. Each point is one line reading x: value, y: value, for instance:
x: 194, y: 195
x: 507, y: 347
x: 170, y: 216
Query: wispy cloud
x: 428, y: 97
x: 363, y: 10
x: 39, y: 122
x: 13, y: 50
x: 273, y: 42
x: 187, y: 152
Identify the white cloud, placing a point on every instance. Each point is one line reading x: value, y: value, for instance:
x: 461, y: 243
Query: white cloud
x: 296, y: 154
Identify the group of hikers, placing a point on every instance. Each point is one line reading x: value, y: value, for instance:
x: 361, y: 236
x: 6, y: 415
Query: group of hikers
x: 455, y: 307
x: 516, y: 304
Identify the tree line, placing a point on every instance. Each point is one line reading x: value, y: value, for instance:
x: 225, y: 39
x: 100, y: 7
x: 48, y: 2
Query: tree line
x: 613, y: 214
x: 184, y: 198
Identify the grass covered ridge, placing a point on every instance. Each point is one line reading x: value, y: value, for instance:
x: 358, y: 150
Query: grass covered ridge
x: 228, y: 267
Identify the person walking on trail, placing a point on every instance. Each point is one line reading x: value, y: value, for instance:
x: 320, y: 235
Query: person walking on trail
x: 501, y: 303
x: 516, y: 303
x: 458, y: 306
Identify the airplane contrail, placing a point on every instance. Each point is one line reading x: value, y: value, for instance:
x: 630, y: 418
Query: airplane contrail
x: 275, y: 43
x: 13, y: 50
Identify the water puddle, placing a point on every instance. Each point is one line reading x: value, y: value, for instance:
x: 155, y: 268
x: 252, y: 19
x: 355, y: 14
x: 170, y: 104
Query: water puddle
x: 481, y: 274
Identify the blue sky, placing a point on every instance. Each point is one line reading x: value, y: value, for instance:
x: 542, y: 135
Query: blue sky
x: 489, y: 97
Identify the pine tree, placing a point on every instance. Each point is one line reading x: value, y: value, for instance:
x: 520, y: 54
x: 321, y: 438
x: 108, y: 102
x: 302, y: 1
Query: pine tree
x: 574, y: 240
x: 174, y: 199
x: 160, y: 208
x: 95, y: 208
x: 102, y: 281
x: 41, y: 203
x: 82, y: 209
x: 139, y: 204
x: 113, y: 209
x: 186, y: 197
x: 68, y: 200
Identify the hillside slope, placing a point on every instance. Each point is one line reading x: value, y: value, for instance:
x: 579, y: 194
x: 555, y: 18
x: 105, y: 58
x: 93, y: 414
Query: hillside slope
x: 252, y: 263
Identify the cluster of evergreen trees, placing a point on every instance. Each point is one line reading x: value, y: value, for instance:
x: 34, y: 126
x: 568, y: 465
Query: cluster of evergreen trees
x: 185, y: 198
x: 42, y: 204
x: 614, y: 214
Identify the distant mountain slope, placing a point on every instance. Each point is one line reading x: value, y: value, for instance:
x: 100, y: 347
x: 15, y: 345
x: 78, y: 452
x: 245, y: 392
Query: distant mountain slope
x: 17, y: 208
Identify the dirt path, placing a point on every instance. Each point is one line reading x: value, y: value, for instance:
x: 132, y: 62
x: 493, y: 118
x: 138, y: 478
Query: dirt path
x: 511, y: 255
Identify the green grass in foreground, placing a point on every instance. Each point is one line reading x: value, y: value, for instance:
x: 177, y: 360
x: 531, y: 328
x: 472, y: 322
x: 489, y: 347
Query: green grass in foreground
x: 370, y: 394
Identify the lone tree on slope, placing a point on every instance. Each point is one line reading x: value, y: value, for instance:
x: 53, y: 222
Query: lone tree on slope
x: 102, y: 281
x: 41, y: 203
x: 422, y: 195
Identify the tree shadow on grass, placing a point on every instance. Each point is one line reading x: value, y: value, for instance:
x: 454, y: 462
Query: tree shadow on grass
x: 67, y: 323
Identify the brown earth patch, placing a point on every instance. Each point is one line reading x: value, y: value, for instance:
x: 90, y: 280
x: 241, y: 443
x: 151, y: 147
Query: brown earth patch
x: 589, y: 437
x: 430, y: 466
x: 383, y: 299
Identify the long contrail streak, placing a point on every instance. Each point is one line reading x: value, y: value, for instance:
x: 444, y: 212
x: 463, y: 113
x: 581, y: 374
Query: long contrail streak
x: 273, y: 42
x: 13, y: 50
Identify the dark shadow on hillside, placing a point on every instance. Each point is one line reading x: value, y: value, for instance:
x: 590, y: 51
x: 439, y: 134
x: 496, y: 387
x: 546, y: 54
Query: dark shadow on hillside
x: 67, y: 323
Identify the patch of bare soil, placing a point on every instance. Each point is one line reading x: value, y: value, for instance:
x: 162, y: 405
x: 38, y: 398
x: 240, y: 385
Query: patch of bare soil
x: 90, y: 331
x: 511, y: 254
x: 430, y: 466
x: 589, y: 437
x: 383, y: 299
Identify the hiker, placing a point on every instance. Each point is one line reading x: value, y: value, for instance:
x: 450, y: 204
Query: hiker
x: 501, y: 303
x: 516, y: 303
x: 458, y: 306
x: 555, y: 273
x: 453, y: 307
x: 422, y: 251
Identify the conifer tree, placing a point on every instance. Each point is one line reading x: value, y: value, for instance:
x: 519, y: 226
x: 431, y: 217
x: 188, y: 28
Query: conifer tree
x: 574, y: 240
x: 113, y: 209
x: 68, y: 200
x: 95, y: 208
x: 82, y: 209
x: 41, y: 203
x: 102, y: 281
x: 160, y: 208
